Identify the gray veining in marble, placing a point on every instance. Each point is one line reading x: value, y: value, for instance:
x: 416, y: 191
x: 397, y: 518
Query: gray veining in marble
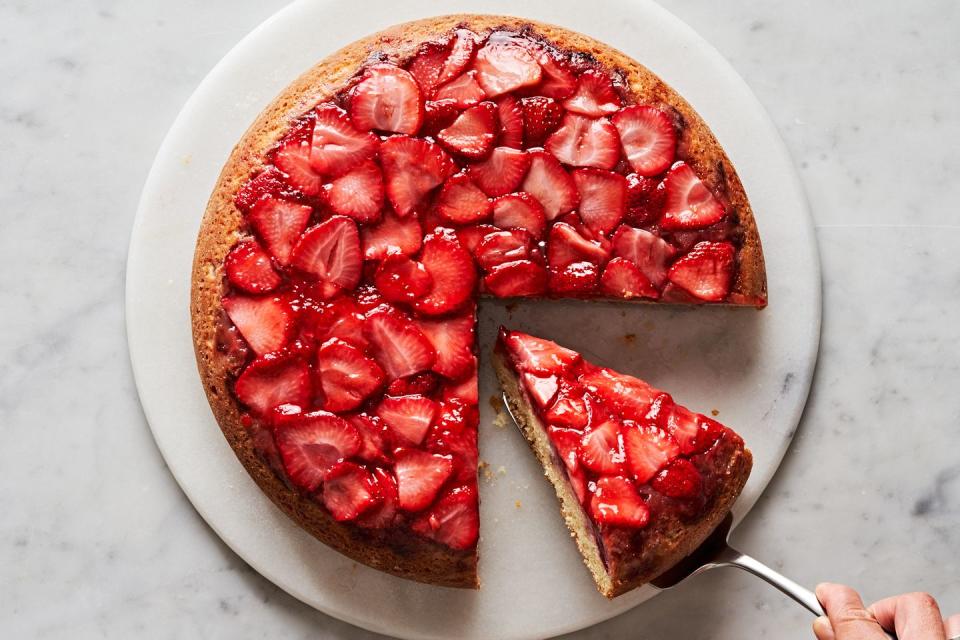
x: 96, y: 539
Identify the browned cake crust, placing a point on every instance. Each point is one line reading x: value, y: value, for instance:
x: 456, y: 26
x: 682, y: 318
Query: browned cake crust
x: 668, y: 539
x: 223, y: 226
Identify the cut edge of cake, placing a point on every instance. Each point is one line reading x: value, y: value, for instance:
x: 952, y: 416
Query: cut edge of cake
x: 676, y: 541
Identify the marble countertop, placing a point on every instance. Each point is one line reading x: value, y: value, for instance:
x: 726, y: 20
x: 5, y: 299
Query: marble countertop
x: 96, y: 539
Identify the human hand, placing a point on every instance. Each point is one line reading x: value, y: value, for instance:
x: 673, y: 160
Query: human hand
x: 913, y: 616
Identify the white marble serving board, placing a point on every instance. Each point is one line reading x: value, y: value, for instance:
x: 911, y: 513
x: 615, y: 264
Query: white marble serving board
x: 754, y: 368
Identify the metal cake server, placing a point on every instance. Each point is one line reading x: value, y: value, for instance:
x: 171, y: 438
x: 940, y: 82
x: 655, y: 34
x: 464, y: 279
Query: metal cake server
x: 715, y: 552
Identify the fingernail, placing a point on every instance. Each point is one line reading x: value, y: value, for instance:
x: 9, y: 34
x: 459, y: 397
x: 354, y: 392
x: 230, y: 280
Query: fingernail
x: 822, y: 628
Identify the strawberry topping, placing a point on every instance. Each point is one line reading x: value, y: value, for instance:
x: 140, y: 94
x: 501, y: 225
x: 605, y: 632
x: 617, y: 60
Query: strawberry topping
x: 279, y: 223
x: 337, y: 146
x: 248, y: 268
x: 585, y: 142
x: 473, y: 132
x: 266, y: 323
x: 419, y: 477
x: 504, y: 66
x: 387, y: 99
x: 594, y: 95
x: 346, y: 376
x: 706, y: 272
x: 412, y: 168
x: 502, y: 172
x: 311, y: 444
x: 330, y: 252
x: 519, y: 211
x: 409, y: 417
x: 358, y: 193
x: 689, y: 203
x: 648, y: 137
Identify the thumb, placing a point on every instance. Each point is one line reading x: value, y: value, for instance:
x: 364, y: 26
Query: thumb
x: 848, y: 617
x: 822, y: 629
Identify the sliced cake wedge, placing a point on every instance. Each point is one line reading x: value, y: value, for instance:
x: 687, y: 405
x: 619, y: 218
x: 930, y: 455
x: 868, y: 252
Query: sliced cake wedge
x: 641, y: 480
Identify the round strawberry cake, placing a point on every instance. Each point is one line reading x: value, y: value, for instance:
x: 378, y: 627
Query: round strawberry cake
x: 374, y: 202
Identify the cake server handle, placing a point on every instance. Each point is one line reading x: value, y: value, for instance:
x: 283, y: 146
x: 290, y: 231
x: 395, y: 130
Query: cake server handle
x: 730, y: 557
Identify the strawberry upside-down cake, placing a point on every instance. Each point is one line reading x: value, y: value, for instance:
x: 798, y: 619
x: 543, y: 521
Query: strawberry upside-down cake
x: 642, y: 480
x: 377, y: 199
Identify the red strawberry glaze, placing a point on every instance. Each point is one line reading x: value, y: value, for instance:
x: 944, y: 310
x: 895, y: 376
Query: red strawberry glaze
x: 381, y: 215
x: 630, y: 452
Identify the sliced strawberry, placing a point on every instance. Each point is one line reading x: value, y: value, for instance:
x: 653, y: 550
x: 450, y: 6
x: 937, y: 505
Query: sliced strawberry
x: 269, y: 183
x: 473, y: 132
x: 616, y: 502
x: 693, y: 433
x: 567, y: 443
x: 624, y: 279
x: 427, y: 65
x: 510, y: 116
x: 453, y: 340
x: 381, y: 515
x: 503, y: 246
x: 557, y: 80
x: 463, y: 91
x: 648, y: 449
x: 455, y: 433
x: 358, y: 193
x: 517, y: 279
x: 461, y: 201
x: 502, y: 172
x: 423, y: 383
x: 279, y: 223
x: 467, y: 390
x: 648, y: 137
x: 346, y: 376
x: 273, y: 380
x: 293, y: 158
x: 603, y: 199
x: 340, y: 318
x: 398, y: 345
x: 706, y: 272
x: 569, y: 408
x: 542, y: 389
x: 387, y: 99
x: 585, y: 142
x: 462, y: 48
x: 311, y: 444
x: 402, y: 280
x: 553, y: 187
x: 645, y: 200
x: 248, y: 268
x: 537, y: 355
x: 649, y: 252
x: 541, y: 117
x: 689, y: 204
x: 576, y: 277
x: 454, y: 276
x: 337, y: 146
x: 631, y: 396
x: 374, y: 435
x: 504, y: 66
x: 471, y: 237
x: 438, y: 115
x: 566, y: 246
x: 453, y: 521
x: 594, y: 95
x: 519, y: 211
x: 330, y: 252
x: 419, y: 477
x: 266, y: 323
x: 601, y: 449
x: 412, y: 168
x: 349, y: 490
x: 680, y: 479
x: 409, y: 417
x: 391, y: 235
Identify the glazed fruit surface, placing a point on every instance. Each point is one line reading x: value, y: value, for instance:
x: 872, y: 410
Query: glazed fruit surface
x: 496, y: 166
x: 629, y: 452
